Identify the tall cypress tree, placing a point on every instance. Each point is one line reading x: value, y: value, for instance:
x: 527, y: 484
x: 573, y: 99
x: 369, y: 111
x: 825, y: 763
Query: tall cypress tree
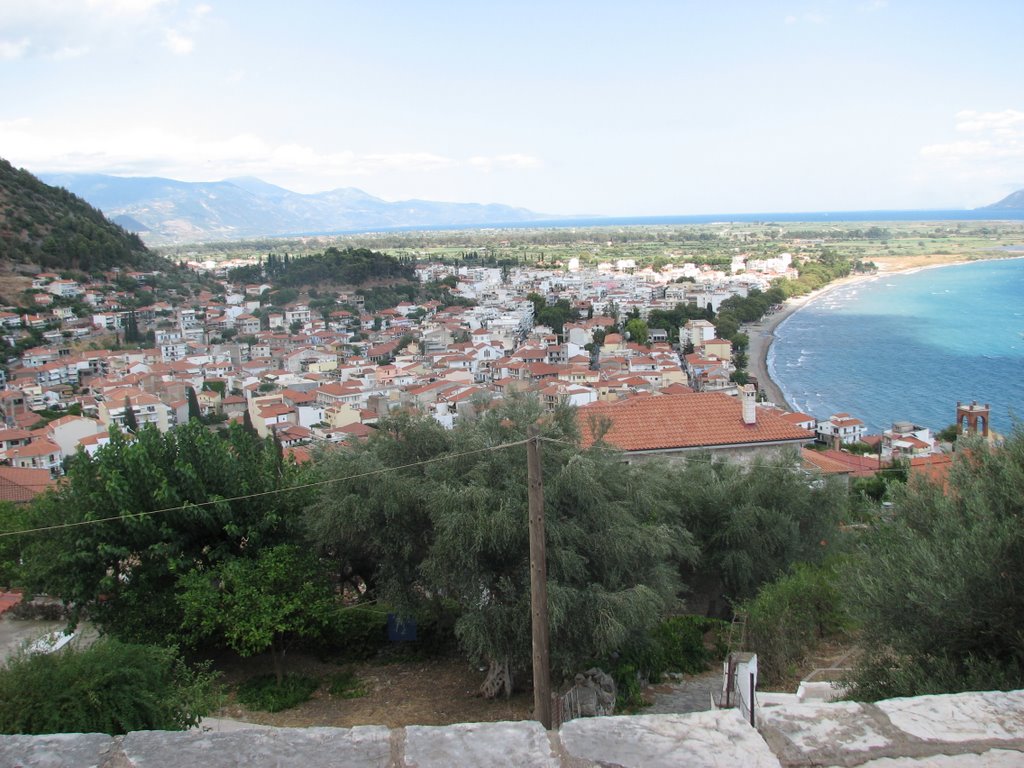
x: 130, y: 422
x: 194, y: 411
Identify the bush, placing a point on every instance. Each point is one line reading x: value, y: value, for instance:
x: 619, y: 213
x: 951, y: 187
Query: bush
x: 356, y: 633
x: 111, y: 687
x: 264, y: 694
x: 40, y: 610
x: 346, y: 685
x: 790, y: 616
x: 677, y: 644
x: 937, y: 588
x: 681, y: 639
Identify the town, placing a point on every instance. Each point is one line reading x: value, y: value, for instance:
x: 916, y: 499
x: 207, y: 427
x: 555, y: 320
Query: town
x: 309, y: 373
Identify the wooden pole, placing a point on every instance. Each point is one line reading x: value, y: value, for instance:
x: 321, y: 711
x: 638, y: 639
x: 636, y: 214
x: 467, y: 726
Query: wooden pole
x: 538, y: 583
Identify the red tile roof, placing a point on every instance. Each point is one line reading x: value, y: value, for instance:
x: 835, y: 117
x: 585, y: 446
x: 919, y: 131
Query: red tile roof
x: 699, y: 419
x: 21, y: 485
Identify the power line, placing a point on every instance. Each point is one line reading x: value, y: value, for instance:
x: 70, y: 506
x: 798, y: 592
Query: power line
x: 697, y: 459
x: 190, y: 505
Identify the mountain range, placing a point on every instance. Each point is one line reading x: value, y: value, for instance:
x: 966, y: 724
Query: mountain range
x: 1012, y: 202
x: 166, y: 211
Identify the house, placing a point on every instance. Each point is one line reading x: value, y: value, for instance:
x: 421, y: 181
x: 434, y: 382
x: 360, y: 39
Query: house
x: 673, y: 426
x: 148, y: 409
x: 39, y: 454
x: 19, y: 485
x: 68, y: 432
x: 842, y: 428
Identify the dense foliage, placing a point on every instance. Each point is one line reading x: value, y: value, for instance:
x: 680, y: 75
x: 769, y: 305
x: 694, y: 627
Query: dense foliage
x: 937, y: 587
x: 790, y: 616
x: 124, y: 567
x: 457, y: 528
x: 751, y: 524
x: 55, y: 229
x: 351, y: 266
x: 110, y: 687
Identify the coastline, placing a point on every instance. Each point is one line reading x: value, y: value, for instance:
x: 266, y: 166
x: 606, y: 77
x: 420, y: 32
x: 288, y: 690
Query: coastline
x: 762, y: 333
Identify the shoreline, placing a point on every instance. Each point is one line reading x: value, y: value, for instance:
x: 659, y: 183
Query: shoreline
x: 762, y: 333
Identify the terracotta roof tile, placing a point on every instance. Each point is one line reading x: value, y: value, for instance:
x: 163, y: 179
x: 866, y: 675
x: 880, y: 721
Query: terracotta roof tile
x: 682, y: 421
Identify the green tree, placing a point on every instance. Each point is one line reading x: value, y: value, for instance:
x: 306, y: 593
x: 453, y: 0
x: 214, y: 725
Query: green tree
x: 458, y: 528
x: 110, y: 687
x: 194, y: 411
x: 937, y: 587
x: 751, y: 523
x: 144, y: 512
x: 131, y: 424
x: 257, y: 604
x: 637, y: 330
x: 13, y: 517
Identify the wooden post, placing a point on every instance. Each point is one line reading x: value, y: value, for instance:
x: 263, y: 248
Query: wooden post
x: 538, y: 583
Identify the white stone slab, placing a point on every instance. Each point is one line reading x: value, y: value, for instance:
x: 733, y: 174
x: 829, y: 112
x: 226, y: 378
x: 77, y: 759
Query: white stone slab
x: 522, y: 744
x: 995, y: 758
x: 720, y: 739
x: 62, y: 750
x: 813, y: 734
x: 960, y: 717
x: 361, y: 747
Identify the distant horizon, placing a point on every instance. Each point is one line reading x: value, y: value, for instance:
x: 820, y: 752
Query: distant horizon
x: 568, y: 219
x: 643, y: 109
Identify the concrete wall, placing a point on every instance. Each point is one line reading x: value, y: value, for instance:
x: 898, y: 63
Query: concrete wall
x: 968, y: 730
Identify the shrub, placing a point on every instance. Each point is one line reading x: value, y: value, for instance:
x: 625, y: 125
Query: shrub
x: 674, y: 645
x: 346, y: 685
x: 936, y: 588
x: 788, y: 618
x: 264, y: 694
x: 111, y: 687
x: 356, y: 633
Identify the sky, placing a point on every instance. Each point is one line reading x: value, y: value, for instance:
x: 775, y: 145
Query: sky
x: 607, y: 108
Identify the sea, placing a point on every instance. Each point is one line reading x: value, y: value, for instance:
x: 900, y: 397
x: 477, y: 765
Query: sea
x: 907, y: 346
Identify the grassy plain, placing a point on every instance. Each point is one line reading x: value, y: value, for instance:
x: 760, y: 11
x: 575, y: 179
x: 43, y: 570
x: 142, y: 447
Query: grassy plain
x: 880, y: 242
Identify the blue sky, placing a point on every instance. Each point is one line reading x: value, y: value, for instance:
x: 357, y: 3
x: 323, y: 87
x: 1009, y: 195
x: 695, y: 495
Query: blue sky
x: 626, y: 108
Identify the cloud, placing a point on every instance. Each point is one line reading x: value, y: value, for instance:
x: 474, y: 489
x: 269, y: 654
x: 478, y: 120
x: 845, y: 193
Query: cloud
x: 141, y: 150
x: 68, y: 29
x: 124, y: 7
x: 504, y: 162
x: 1007, y: 122
x: 809, y: 17
x: 988, y: 159
x: 69, y: 52
x: 177, y: 43
x: 11, y: 50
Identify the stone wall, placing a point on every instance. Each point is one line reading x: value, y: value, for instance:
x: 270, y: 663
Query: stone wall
x: 971, y: 730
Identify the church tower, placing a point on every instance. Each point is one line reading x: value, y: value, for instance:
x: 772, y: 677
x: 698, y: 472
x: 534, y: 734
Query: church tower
x: 972, y: 419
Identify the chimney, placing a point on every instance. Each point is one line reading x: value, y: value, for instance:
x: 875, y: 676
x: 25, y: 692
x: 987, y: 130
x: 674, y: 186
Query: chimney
x: 748, y: 397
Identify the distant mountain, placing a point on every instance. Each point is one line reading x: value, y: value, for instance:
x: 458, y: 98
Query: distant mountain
x: 54, y: 229
x: 1012, y: 202
x: 169, y: 211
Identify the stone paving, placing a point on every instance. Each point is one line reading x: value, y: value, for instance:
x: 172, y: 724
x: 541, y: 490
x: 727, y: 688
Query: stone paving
x: 969, y: 730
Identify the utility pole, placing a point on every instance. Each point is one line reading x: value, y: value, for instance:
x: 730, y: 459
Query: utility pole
x: 538, y: 583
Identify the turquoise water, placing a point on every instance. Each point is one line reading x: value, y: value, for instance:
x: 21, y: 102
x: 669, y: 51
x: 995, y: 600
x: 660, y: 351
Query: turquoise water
x: 906, y: 347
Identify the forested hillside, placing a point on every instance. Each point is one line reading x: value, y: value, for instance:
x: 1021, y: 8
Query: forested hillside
x: 54, y: 229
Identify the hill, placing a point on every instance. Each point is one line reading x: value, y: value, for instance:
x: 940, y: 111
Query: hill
x: 52, y: 228
x: 169, y: 211
x: 1012, y: 202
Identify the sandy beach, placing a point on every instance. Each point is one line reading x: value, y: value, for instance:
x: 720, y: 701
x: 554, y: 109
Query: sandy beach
x: 762, y: 334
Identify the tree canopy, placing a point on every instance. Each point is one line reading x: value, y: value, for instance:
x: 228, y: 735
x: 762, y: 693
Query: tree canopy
x: 145, y: 511
x: 457, y: 529
x: 937, y: 587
